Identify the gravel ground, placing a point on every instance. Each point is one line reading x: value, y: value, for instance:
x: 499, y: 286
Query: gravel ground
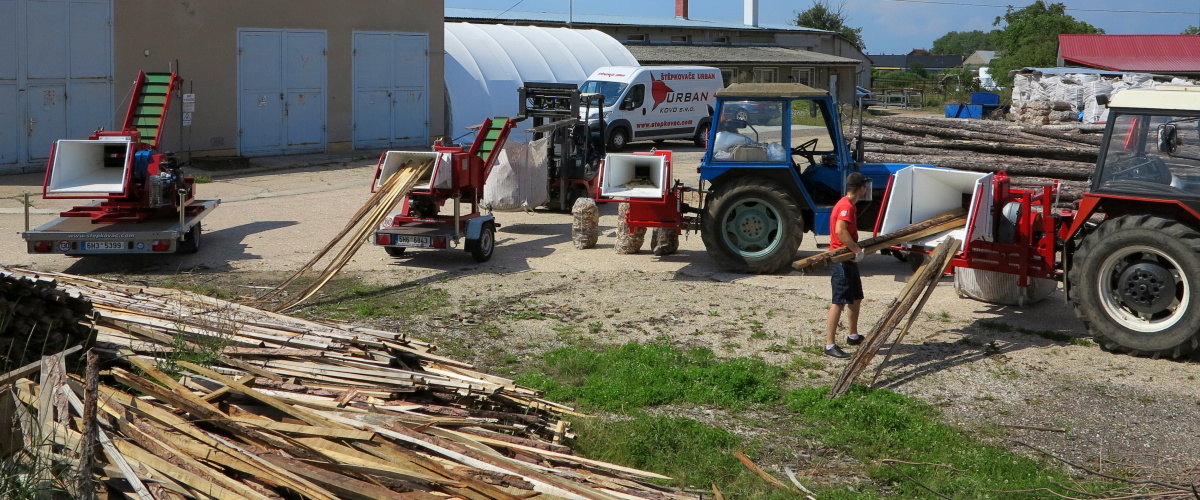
x: 1111, y: 413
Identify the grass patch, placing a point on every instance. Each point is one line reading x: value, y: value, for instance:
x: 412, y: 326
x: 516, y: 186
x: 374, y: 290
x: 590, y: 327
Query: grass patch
x: 203, y: 179
x: 879, y: 424
x: 635, y: 376
x: 351, y: 299
x: 1046, y: 334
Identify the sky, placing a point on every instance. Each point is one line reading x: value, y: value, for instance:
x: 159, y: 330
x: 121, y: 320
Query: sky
x: 890, y: 26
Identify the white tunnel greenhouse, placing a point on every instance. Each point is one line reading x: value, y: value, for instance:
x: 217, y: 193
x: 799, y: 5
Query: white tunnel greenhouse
x: 487, y: 63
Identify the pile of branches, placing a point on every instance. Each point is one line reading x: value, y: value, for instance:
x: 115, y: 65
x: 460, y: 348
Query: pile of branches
x: 36, y: 317
x: 1032, y: 155
x: 203, y: 399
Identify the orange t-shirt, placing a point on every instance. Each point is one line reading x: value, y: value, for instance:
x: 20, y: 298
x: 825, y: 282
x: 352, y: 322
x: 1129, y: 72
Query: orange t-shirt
x: 843, y: 210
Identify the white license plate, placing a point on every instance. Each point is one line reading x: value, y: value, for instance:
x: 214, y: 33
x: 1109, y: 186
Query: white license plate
x: 412, y: 241
x: 102, y: 245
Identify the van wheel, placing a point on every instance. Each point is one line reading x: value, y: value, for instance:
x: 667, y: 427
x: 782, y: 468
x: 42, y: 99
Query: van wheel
x: 618, y: 139
x: 701, y: 139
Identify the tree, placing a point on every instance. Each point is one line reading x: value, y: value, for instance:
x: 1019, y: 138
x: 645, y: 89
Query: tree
x: 1030, y: 37
x: 823, y: 16
x: 1191, y: 30
x: 964, y: 42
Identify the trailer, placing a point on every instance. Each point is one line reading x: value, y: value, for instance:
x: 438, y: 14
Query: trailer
x: 145, y: 202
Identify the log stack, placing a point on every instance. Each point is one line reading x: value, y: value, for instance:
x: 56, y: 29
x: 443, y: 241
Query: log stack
x: 1031, y: 155
x: 37, y: 318
x: 290, y: 408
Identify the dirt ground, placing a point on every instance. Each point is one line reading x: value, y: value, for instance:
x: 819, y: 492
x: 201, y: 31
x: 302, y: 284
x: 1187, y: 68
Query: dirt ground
x: 985, y: 366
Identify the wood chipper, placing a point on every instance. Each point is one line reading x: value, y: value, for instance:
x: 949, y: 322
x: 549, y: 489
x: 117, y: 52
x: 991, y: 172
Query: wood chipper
x: 147, y: 205
x: 456, y: 176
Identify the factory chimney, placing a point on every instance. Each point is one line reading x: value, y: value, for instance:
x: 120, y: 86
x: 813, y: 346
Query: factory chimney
x: 681, y: 7
x: 751, y: 17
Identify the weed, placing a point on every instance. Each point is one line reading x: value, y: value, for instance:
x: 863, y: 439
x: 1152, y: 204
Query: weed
x: 567, y: 330
x: 189, y: 344
x: 714, y: 312
x: 731, y: 346
x: 776, y: 348
x: 1007, y: 372
x: 595, y: 327
x: 350, y: 299
x: 800, y: 363
x: 203, y: 179
x: 758, y: 335
x: 520, y: 315
x: 1146, y: 399
x: 636, y: 376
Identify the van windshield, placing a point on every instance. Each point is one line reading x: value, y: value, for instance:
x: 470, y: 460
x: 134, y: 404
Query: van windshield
x: 610, y: 90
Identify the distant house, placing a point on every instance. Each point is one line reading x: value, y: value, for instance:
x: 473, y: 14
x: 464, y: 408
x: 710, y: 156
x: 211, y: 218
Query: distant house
x: 1177, y: 55
x: 979, y: 58
x: 744, y: 52
x: 901, y: 62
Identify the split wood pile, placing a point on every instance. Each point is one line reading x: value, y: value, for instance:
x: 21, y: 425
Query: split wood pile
x: 37, y: 318
x: 908, y: 303
x: 360, y: 226
x: 1031, y: 155
x: 292, y: 408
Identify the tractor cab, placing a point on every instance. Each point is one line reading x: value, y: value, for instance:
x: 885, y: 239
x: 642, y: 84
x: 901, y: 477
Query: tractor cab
x: 1150, y: 152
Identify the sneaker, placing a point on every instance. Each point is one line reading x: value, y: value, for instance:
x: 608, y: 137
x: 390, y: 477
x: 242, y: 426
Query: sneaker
x: 855, y: 340
x: 836, y: 352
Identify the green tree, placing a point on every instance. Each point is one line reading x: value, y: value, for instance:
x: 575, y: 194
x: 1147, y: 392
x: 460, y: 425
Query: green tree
x: 823, y: 16
x: 1191, y: 30
x: 964, y: 42
x: 1030, y: 37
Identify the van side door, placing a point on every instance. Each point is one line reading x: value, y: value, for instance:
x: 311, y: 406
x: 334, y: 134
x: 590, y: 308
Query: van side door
x: 633, y: 108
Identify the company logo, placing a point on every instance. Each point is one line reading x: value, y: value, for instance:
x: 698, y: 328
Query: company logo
x: 661, y: 92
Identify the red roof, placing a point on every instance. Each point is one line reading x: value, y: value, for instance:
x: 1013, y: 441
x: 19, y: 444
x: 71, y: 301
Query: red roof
x: 1161, y: 53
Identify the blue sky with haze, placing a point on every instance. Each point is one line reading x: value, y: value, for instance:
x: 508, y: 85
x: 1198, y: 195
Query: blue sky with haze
x: 891, y: 26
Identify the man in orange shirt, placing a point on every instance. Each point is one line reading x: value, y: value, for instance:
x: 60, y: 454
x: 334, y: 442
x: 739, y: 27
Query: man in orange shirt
x: 847, y: 285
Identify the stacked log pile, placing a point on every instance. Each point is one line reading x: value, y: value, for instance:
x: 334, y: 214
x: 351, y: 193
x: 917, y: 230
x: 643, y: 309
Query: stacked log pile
x: 1032, y: 155
x: 36, y: 317
x: 290, y: 408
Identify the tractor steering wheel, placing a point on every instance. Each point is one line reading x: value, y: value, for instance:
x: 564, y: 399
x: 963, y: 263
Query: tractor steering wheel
x: 1143, y: 168
x: 807, y: 150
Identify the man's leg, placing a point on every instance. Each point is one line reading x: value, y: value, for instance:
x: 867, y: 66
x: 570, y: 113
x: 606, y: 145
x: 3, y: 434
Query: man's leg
x: 831, y: 323
x: 852, y: 316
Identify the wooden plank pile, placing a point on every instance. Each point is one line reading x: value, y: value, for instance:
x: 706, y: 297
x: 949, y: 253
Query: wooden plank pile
x: 1032, y: 155
x: 36, y: 317
x: 287, y: 409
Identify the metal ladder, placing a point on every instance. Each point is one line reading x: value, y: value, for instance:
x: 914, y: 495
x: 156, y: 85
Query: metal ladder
x: 148, y: 108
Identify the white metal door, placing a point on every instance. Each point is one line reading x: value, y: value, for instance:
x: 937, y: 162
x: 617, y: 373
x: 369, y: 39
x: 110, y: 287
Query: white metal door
x: 281, y: 91
x: 391, y: 82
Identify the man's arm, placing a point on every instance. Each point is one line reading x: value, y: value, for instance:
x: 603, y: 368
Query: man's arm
x: 843, y: 233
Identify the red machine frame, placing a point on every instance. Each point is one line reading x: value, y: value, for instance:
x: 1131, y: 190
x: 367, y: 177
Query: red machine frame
x: 666, y: 211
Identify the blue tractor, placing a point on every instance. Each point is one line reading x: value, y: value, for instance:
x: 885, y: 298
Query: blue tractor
x: 774, y: 178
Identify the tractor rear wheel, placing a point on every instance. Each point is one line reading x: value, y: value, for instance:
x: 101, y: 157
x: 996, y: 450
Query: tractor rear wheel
x: 1134, y: 286
x: 752, y: 225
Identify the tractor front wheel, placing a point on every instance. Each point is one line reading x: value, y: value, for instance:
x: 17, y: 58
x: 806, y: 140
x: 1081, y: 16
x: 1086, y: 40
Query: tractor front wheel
x: 1133, y: 284
x: 752, y: 225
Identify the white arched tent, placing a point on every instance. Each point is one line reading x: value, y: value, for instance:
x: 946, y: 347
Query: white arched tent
x: 487, y: 63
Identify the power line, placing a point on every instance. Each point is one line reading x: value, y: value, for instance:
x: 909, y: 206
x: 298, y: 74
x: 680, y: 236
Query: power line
x: 964, y: 4
x: 508, y: 9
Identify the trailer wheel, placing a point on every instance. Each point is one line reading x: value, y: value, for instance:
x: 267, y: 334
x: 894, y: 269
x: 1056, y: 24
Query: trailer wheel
x: 618, y: 138
x: 481, y: 249
x: 752, y: 225
x: 395, y: 251
x: 191, y: 242
x: 1133, y: 286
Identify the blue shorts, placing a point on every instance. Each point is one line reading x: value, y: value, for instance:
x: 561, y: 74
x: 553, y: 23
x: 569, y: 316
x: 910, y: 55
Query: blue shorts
x: 847, y: 285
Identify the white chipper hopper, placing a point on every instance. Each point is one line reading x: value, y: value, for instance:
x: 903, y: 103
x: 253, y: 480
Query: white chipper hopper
x: 634, y: 176
x: 437, y: 177
x: 90, y: 168
x: 920, y: 193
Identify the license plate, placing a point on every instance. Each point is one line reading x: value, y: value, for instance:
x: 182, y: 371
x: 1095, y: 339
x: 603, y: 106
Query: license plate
x: 412, y: 241
x: 102, y: 245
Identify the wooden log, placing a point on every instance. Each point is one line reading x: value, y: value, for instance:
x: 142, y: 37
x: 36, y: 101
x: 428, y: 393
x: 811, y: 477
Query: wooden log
x: 1062, y: 135
x: 951, y: 133
x: 1014, y: 166
x: 944, y: 222
x: 1020, y: 150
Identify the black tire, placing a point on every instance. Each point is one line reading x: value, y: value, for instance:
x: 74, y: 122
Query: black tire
x: 395, y: 251
x: 701, y: 139
x: 1133, y: 286
x: 190, y: 243
x: 618, y: 138
x: 752, y: 225
x: 482, y: 248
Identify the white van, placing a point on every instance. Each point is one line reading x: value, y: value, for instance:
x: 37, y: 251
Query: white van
x: 655, y: 102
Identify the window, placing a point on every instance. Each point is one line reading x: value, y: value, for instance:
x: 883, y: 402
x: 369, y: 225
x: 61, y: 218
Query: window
x: 1151, y: 154
x: 727, y: 76
x: 802, y: 76
x: 681, y: 38
x: 720, y: 40
x: 765, y: 75
x: 636, y: 37
x: 749, y: 131
x: 637, y: 95
x: 610, y: 90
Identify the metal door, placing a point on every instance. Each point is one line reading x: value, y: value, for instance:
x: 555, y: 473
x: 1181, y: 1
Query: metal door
x: 281, y: 92
x: 10, y: 119
x: 391, y: 81
x: 55, y: 76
